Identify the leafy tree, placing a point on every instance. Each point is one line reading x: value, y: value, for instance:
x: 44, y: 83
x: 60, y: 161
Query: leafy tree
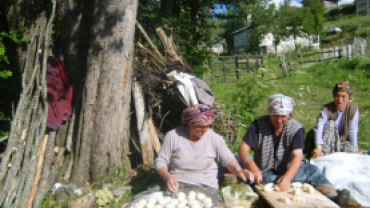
x: 263, y: 22
x: 313, y: 21
x: 291, y: 20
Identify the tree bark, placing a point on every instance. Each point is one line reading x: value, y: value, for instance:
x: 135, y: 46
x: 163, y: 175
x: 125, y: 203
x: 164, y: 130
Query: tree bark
x: 19, y: 170
x: 96, y: 44
x: 102, y: 128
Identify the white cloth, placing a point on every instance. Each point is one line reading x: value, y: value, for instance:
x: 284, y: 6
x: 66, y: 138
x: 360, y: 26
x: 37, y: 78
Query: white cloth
x: 348, y: 170
x: 185, y: 86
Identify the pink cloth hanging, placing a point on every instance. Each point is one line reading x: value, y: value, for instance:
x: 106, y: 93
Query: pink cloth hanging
x: 60, y: 93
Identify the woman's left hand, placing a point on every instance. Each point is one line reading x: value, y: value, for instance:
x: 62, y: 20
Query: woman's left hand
x: 284, y: 184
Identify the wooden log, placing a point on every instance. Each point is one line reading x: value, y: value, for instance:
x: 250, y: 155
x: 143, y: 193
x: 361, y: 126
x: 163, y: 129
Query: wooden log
x: 142, y: 125
x: 169, y: 45
x: 3, y: 139
x: 155, y: 139
x: 156, y: 51
x: 39, y: 170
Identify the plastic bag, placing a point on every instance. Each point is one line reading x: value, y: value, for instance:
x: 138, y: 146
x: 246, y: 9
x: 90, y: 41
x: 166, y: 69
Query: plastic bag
x: 239, y: 195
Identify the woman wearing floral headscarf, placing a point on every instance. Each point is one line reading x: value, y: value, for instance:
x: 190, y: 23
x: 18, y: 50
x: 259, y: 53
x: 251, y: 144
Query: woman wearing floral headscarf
x: 191, y: 153
x: 337, y: 126
x: 277, y: 142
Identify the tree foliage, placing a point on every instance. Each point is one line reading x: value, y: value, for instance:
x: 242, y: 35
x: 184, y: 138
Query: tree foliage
x: 313, y: 21
x: 8, y: 87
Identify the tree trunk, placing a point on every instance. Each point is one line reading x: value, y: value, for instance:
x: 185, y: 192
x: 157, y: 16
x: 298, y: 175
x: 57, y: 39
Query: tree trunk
x: 96, y: 42
x: 103, y: 99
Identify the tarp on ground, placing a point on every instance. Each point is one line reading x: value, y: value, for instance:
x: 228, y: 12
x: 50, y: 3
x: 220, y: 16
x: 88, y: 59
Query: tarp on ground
x: 350, y: 171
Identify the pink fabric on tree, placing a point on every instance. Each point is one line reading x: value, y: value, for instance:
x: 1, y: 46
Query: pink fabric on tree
x: 60, y: 93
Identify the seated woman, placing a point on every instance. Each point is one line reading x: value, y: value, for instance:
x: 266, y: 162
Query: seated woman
x: 337, y: 126
x: 191, y: 153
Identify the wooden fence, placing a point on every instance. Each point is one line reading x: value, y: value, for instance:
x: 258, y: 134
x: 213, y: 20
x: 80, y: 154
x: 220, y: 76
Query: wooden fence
x: 306, y: 59
x: 231, y: 68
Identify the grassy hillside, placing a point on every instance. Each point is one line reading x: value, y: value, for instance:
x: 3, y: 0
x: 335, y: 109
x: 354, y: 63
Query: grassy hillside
x: 311, y: 88
x: 345, y: 17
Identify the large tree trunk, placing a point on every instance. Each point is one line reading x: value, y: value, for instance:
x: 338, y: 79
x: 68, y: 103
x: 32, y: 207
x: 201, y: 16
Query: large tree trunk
x: 105, y: 34
x: 96, y: 43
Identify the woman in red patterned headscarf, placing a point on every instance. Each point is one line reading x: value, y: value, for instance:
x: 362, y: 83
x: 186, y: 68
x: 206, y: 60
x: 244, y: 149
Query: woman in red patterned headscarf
x: 191, y: 153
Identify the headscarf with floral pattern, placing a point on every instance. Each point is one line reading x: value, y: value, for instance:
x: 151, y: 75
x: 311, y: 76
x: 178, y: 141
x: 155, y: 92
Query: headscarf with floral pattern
x: 344, y: 86
x: 198, y: 115
x: 280, y: 105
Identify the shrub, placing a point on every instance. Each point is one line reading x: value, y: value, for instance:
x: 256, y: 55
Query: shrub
x: 363, y: 32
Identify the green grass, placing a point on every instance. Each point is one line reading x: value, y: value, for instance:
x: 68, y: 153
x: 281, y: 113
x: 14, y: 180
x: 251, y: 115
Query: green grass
x: 310, y: 88
x: 351, y: 25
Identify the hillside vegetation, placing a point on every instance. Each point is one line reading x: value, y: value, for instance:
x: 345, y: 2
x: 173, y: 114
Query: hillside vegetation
x: 346, y: 18
x: 310, y: 88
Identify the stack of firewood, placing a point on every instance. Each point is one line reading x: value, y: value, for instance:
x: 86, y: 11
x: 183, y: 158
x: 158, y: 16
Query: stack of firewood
x: 157, y: 100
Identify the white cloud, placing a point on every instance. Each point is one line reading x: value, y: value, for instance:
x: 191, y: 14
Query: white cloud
x: 278, y: 3
x: 295, y: 3
x: 342, y: 2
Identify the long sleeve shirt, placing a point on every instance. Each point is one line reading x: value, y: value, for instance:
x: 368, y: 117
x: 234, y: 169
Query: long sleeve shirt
x: 353, y: 127
x: 194, y: 163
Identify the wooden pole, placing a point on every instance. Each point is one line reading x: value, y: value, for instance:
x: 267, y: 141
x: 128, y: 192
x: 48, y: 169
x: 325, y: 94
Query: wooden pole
x: 142, y: 125
x: 40, y: 165
x: 237, y: 67
x: 223, y: 68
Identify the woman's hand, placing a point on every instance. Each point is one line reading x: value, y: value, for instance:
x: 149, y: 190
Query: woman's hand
x: 248, y: 175
x: 258, y: 179
x: 284, y: 183
x: 317, y: 152
x: 172, y: 184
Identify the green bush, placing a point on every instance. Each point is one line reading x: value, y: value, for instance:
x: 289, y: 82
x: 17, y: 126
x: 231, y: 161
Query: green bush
x: 342, y: 11
x: 250, y: 92
x: 326, y: 39
x: 363, y: 32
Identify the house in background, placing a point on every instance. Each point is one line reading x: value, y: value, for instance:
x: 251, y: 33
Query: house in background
x: 330, y: 4
x: 242, y: 41
x: 361, y: 6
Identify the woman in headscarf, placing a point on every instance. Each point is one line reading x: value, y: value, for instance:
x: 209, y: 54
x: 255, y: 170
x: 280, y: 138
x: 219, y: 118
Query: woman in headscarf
x: 191, y: 153
x: 277, y: 142
x: 337, y: 126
